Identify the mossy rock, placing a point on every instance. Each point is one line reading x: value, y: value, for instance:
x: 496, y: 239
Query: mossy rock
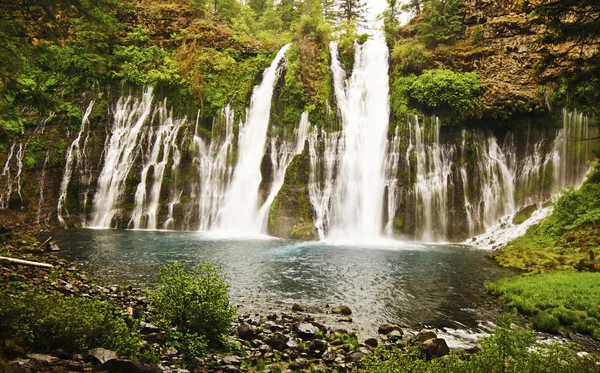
x: 524, y: 214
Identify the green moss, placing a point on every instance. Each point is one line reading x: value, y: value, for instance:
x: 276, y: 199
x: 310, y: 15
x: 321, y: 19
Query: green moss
x: 524, y: 214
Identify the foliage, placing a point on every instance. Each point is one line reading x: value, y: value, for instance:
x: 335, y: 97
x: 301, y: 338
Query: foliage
x: 477, y: 35
x: 352, y: 10
x: 409, y: 56
x: 509, y: 349
x: 46, y: 322
x: 391, y: 23
x: 555, y: 299
x: 447, y: 92
x: 189, y: 345
x: 441, y: 22
x: 194, y: 300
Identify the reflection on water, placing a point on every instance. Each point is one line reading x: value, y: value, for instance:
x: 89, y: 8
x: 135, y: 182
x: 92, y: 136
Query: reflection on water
x: 412, y: 284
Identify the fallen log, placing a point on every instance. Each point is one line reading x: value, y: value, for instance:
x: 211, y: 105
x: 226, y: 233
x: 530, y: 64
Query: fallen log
x: 6, y: 260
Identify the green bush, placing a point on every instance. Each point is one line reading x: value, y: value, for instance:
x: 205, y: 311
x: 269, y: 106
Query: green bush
x: 46, y: 322
x: 546, y: 322
x: 447, y: 92
x: 409, y: 56
x: 509, y: 349
x: 194, y: 300
x: 189, y: 345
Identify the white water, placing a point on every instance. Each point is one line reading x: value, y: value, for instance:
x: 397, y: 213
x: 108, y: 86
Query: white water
x: 282, y: 154
x: 7, y: 191
x: 20, y: 155
x: 214, y: 166
x: 239, y: 214
x: 393, y: 198
x: 75, y: 153
x: 145, y: 212
x: 357, y: 201
x: 42, y: 188
x: 129, y: 118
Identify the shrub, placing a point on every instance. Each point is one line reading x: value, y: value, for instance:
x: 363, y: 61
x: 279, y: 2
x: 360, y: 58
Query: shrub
x: 546, y: 322
x: 477, y: 35
x: 409, y: 56
x: 194, y: 300
x: 47, y: 322
x: 448, y: 92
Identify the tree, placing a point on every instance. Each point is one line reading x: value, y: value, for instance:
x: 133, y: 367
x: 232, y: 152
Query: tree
x: 391, y: 21
x: 441, y: 21
x: 352, y: 11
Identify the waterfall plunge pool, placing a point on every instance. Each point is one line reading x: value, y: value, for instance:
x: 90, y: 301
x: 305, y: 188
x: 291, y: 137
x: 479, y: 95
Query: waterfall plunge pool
x: 412, y: 284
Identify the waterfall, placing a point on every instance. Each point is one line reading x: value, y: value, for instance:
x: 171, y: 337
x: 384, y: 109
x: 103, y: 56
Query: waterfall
x: 41, y: 192
x: 281, y: 157
x: 433, y: 179
x: 163, y: 140
x: 393, y: 198
x: 5, y: 197
x: 323, y: 164
x: 75, y: 153
x: 239, y: 214
x: 214, y: 167
x: 129, y: 118
x: 20, y: 154
x: 357, y: 202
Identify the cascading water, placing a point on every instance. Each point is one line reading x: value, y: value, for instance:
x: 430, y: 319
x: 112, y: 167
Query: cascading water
x: 75, y: 153
x: 42, y: 188
x: 163, y: 140
x: 393, y: 191
x: 6, y: 193
x: 357, y: 202
x: 281, y: 157
x: 239, y: 214
x: 130, y: 115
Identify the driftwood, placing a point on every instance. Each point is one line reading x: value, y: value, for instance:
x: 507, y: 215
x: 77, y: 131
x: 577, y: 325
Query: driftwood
x: 5, y: 260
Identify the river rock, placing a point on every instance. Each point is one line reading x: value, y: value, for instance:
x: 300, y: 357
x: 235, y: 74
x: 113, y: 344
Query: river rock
x: 100, y: 355
x: 52, y: 246
x: 328, y: 356
x: 246, y: 332
x: 157, y: 338
x: 43, y: 358
x: 355, y: 357
x: 125, y: 365
x: 278, y: 341
x: 317, y: 347
x: 12, y: 350
x: 424, y: 335
x: 344, y: 310
x: 299, y: 363
x: 231, y: 360
x: 371, y: 342
x: 388, y: 328
x: 307, y: 331
x: 394, y: 335
x: 147, y: 328
x: 435, y: 347
x: 299, y: 307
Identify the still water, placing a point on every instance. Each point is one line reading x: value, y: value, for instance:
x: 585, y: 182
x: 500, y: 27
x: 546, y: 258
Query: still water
x: 412, y: 284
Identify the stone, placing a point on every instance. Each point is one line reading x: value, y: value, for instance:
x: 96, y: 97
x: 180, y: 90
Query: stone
x: 435, y: 347
x: 170, y: 351
x: 125, y: 366
x: 100, y: 355
x: 317, y: 347
x: 424, y: 335
x: 307, y: 331
x: 299, y: 307
x: 61, y: 353
x: 43, y: 358
x: 278, y: 341
x: 12, y: 350
x: 394, y: 335
x: 388, y: 328
x: 52, y: 246
x: 231, y: 360
x: 157, y: 338
x: 138, y: 312
x: 355, y: 357
x: 230, y: 369
x: 299, y: 363
x: 147, y: 328
x: 328, y: 356
x: 246, y: 332
x: 272, y: 326
x: 344, y: 310
x: 371, y: 342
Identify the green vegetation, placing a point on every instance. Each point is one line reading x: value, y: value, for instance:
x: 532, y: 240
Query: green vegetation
x: 509, y: 349
x: 441, y: 22
x: 194, y: 301
x: 568, y: 239
x: 45, y: 322
x: 555, y: 299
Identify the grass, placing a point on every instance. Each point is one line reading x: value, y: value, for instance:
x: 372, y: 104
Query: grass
x: 555, y: 300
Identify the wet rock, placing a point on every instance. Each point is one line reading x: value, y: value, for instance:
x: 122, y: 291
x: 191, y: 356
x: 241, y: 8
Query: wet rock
x: 43, y: 358
x: 292, y: 345
x: 100, y: 355
x: 147, y: 328
x: 307, y: 331
x: 328, y: 356
x: 157, y: 338
x: 394, y: 335
x: 278, y: 341
x: 424, y: 335
x: 299, y: 307
x: 435, y: 347
x: 344, y: 310
x: 299, y: 363
x: 371, y: 342
x: 355, y: 357
x: 272, y: 326
x: 388, y: 328
x: 317, y: 347
x: 231, y: 360
x: 246, y: 332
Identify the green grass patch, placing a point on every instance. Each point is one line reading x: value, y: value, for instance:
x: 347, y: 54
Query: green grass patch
x: 555, y: 300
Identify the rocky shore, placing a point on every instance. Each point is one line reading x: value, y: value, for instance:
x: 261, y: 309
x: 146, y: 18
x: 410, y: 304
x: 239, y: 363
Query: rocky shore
x: 295, y: 338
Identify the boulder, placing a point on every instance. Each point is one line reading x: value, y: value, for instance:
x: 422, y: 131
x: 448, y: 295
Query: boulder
x: 328, y: 356
x: 12, y: 350
x: 147, y: 328
x: 232, y: 360
x: 125, y: 366
x: 307, y: 331
x: 371, y: 342
x: 52, y: 246
x: 278, y: 341
x: 424, y: 335
x: 344, y: 310
x: 100, y: 355
x: 355, y: 357
x: 388, y: 328
x: 43, y: 358
x: 299, y: 307
x: 246, y: 332
x: 299, y: 363
x: 317, y: 347
x: 435, y: 347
